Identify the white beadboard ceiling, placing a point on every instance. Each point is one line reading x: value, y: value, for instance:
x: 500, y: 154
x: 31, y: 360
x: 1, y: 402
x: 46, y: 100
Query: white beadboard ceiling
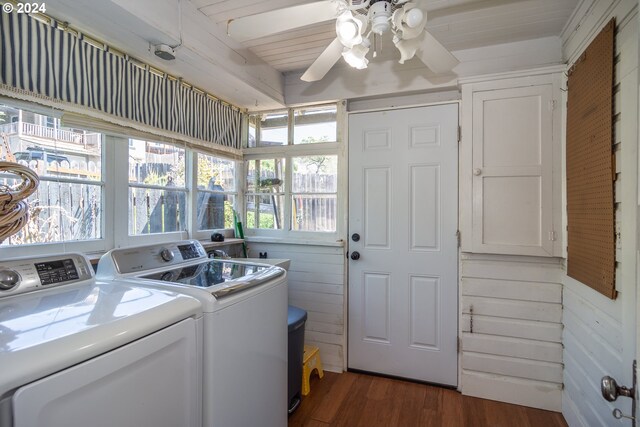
x: 458, y: 24
x: 253, y: 74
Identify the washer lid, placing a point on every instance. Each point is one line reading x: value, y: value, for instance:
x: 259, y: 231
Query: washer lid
x: 46, y: 331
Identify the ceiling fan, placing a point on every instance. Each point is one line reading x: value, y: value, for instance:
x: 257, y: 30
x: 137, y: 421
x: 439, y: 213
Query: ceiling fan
x: 357, y: 21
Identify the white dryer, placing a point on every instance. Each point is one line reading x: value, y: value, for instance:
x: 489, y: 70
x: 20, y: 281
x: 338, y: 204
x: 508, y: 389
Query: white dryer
x: 75, y: 352
x: 245, y: 326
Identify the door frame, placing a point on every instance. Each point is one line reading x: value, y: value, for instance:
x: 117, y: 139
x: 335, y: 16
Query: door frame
x: 343, y: 131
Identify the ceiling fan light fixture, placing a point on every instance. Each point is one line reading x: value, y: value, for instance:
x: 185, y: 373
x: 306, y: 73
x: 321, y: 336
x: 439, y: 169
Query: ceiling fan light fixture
x: 356, y: 56
x: 380, y: 16
x: 407, y: 48
x: 349, y: 29
x: 414, y: 17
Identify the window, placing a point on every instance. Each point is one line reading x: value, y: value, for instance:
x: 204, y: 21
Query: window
x: 311, y: 125
x: 265, y: 193
x: 269, y: 129
x: 303, y: 197
x: 67, y: 205
x: 314, y: 193
x: 216, y: 195
x: 157, y: 190
x: 141, y: 195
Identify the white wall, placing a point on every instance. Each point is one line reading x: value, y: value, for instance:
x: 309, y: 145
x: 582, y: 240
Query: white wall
x: 316, y: 284
x: 388, y: 77
x: 513, y: 350
x: 599, y: 333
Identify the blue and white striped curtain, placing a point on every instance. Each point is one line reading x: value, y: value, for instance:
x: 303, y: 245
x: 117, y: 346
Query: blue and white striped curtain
x: 37, y: 58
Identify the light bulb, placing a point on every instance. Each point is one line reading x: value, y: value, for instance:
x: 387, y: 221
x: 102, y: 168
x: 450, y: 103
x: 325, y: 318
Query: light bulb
x: 348, y: 30
x: 414, y: 17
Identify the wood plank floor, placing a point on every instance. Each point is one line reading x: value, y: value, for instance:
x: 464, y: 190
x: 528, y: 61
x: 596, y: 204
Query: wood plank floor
x: 357, y: 400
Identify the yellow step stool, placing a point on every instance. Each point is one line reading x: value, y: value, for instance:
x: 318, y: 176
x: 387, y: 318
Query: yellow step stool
x: 310, y: 362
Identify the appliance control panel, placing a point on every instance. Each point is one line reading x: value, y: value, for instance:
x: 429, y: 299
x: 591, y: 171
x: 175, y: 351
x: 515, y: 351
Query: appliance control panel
x: 29, y: 274
x: 144, y: 258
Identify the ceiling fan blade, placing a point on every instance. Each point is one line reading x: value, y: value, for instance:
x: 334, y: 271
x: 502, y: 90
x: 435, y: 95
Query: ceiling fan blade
x: 276, y: 21
x: 325, y: 61
x: 435, y: 56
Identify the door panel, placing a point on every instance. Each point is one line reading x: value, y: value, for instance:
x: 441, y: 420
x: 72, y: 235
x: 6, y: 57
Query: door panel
x: 403, y: 202
x: 425, y: 312
x: 425, y: 207
x: 376, y: 295
x: 377, y: 202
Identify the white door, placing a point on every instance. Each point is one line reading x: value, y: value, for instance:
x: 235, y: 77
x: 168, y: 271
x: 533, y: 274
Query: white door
x: 403, y: 193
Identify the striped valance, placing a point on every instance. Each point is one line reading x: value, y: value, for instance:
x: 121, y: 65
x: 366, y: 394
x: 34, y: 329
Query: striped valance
x: 48, y: 62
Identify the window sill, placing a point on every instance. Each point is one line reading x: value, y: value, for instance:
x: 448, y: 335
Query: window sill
x: 227, y: 241
x: 290, y: 241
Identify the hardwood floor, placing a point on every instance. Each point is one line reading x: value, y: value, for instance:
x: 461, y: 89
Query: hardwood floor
x: 357, y: 400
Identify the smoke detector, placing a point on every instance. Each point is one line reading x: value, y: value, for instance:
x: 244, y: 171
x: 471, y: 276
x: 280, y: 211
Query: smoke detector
x: 165, y: 52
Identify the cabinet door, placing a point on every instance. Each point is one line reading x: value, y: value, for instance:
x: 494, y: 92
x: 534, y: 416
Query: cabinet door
x: 512, y: 171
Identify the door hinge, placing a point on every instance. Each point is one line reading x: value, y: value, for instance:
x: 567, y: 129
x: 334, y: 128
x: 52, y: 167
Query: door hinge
x: 459, y: 133
x: 459, y: 344
x: 552, y: 236
x: 459, y: 238
x: 552, y: 104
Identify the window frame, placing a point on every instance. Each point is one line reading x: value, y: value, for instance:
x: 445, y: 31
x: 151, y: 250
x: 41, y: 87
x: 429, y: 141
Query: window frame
x: 314, y: 194
x: 206, y: 234
x: 115, y: 187
x: 289, y: 151
x: 121, y: 180
x: 83, y: 246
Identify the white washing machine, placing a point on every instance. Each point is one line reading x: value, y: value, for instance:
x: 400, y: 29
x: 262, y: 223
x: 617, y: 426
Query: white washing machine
x: 245, y: 326
x: 75, y: 352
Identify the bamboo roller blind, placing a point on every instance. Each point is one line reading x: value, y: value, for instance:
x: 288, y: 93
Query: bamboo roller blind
x: 590, y: 168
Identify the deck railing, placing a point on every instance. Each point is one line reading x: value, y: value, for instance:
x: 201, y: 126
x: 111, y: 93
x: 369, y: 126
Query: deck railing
x: 29, y: 129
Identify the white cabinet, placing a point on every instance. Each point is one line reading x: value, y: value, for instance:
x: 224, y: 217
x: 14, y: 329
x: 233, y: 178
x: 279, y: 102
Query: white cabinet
x: 509, y: 166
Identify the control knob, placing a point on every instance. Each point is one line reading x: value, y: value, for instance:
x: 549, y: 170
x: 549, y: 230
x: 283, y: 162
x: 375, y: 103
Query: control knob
x: 8, y: 279
x: 166, y: 254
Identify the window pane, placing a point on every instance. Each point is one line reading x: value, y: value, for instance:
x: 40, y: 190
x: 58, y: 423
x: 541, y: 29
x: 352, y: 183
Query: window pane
x: 60, y: 212
x: 314, y: 212
x: 215, y: 210
x: 42, y: 144
x: 154, y: 163
x: 216, y: 174
x: 156, y: 211
x: 265, y: 211
x: 315, y: 174
x: 274, y: 129
x: 265, y: 176
x: 251, y: 141
x: 315, y: 125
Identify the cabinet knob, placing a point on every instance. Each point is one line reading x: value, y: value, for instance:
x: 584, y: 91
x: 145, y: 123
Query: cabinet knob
x: 477, y: 171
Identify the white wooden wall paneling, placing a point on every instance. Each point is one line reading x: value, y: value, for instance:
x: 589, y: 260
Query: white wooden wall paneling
x: 317, y: 285
x: 596, y: 340
x: 514, y: 290
x: 512, y: 367
x: 515, y: 328
x: 525, y: 310
x: 513, y: 390
x: 514, y: 347
x: 516, y: 343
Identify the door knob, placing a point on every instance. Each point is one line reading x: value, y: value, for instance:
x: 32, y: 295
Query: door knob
x: 477, y: 171
x: 611, y: 390
x: 355, y: 255
x: 355, y: 237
